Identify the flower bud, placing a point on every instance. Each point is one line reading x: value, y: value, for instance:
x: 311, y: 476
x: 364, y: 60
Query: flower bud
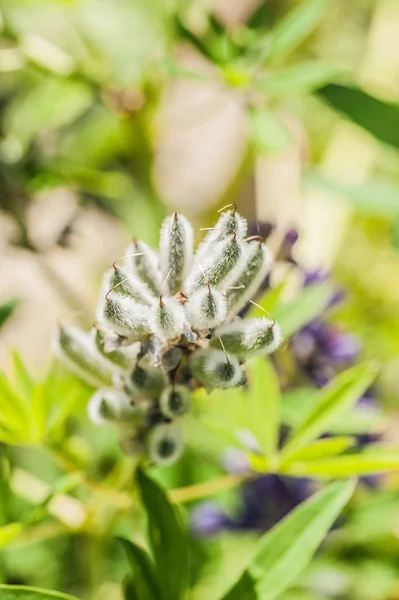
x: 255, y: 267
x: 109, y: 406
x: 175, y: 401
x: 124, y: 316
x: 206, y: 309
x: 251, y: 337
x: 123, y: 357
x: 176, y: 251
x: 165, y: 443
x: 126, y: 283
x: 147, y: 382
x: 145, y: 265
x: 229, y: 221
x: 76, y: 349
x: 218, y: 266
x: 168, y: 318
x: 215, y: 369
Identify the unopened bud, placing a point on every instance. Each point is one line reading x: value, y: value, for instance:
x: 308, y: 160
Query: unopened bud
x: 165, y: 443
x: 176, y: 251
x: 147, y: 382
x: 250, y: 337
x: 110, y: 406
x: 206, y: 309
x: 229, y: 221
x: 123, y: 357
x: 76, y: 349
x: 122, y: 281
x: 124, y: 316
x: 143, y: 262
x: 215, y: 369
x: 168, y: 318
x: 175, y: 401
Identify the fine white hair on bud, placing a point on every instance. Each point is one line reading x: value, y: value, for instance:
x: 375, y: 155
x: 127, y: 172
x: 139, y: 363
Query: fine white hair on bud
x: 168, y: 318
x: 110, y: 406
x: 218, y: 266
x: 77, y: 350
x: 144, y: 263
x: 165, y: 443
x: 175, y: 401
x: 123, y: 357
x: 255, y: 266
x: 251, y: 337
x: 147, y: 381
x: 121, y: 281
x: 176, y: 250
x: 229, y: 221
x: 216, y: 369
x: 124, y: 316
x: 206, y: 309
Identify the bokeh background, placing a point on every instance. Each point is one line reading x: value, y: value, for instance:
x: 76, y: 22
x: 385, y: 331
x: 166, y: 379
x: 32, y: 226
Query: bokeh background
x: 113, y: 114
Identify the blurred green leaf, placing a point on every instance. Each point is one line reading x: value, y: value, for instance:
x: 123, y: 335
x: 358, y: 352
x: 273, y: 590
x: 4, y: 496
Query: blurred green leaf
x: 263, y: 403
x: 378, y: 117
x: 288, y: 548
x: 303, y: 78
x: 244, y: 589
x: 7, y: 310
x: 9, y: 532
x: 295, y: 27
x: 365, y: 463
x: 167, y: 537
x: 331, y: 403
x: 323, y: 448
x: 311, y: 303
x: 22, y: 377
x: 130, y: 590
x: 145, y: 580
x: 267, y: 132
x: 16, y: 592
x: 373, y: 197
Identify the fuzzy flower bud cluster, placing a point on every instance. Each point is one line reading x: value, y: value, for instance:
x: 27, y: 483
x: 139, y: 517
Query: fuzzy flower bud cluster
x: 166, y: 324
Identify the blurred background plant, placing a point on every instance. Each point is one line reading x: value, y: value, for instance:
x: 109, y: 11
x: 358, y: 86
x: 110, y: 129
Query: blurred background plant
x: 115, y: 114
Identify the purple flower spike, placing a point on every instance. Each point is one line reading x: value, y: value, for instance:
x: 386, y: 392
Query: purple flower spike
x: 339, y: 347
x: 287, y: 245
x: 208, y: 519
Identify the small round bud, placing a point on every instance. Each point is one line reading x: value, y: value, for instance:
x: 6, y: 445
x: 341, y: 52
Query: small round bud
x: 206, y: 309
x: 109, y: 406
x: 77, y: 350
x: 215, y: 369
x: 250, y: 337
x: 165, y: 443
x: 148, y: 382
x: 175, y: 401
x: 145, y: 266
x: 176, y: 251
x: 124, y: 316
x: 168, y: 318
x: 124, y: 357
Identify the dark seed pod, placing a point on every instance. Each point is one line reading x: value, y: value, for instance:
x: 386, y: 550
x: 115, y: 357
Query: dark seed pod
x: 251, y: 337
x: 215, y: 369
x: 165, y: 443
x: 175, y: 401
x: 77, y: 350
x: 176, y: 251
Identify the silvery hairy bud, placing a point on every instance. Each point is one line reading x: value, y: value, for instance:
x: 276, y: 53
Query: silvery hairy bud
x: 255, y: 267
x: 165, y: 443
x: 249, y: 337
x: 110, y: 406
x: 122, y: 357
x: 147, y: 381
x: 215, y: 369
x: 206, y: 309
x: 168, y: 318
x: 143, y: 262
x: 175, y: 401
x: 176, y: 251
x: 121, y: 281
x: 229, y: 221
x: 77, y: 350
x: 124, y: 316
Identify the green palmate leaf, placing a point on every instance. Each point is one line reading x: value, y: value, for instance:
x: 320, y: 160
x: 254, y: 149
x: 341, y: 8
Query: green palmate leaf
x: 7, y: 310
x: 167, y: 538
x: 295, y: 27
x: 22, y: 377
x: 331, y: 403
x: 313, y: 300
x: 379, y: 118
x: 288, y: 548
x: 299, y: 79
x: 267, y: 132
x: 263, y: 403
x: 145, y: 580
x: 11, y: 592
x: 243, y: 589
x: 374, y: 197
x: 365, y: 463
